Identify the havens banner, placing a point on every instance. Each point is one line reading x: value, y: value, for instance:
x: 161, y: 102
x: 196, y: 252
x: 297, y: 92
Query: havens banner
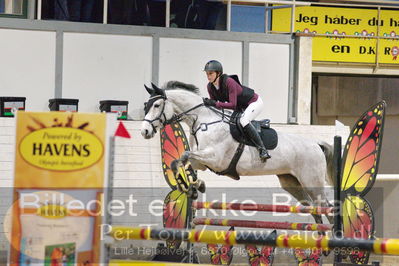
x: 60, y: 150
x: 341, y: 22
x: 60, y: 179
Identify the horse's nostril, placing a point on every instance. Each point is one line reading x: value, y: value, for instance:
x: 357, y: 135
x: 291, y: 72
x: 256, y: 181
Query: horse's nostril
x: 146, y: 132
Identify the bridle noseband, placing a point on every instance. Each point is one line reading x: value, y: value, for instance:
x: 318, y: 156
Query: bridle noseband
x: 148, y: 107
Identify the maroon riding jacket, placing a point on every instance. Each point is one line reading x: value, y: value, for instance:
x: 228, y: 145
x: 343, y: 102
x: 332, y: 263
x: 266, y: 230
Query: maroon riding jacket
x: 228, y: 99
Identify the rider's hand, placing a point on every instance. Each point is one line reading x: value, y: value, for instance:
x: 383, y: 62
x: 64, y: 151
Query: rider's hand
x: 209, y: 102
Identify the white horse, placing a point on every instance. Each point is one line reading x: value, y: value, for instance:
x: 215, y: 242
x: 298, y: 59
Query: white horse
x: 301, y: 164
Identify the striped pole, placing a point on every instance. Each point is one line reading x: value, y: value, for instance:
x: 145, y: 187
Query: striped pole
x: 303, y: 241
x: 262, y: 224
x: 263, y: 207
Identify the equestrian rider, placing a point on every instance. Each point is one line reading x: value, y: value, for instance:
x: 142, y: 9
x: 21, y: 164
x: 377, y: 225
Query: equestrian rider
x: 225, y: 92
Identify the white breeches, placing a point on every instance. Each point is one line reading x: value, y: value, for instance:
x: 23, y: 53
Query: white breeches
x: 252, y: 111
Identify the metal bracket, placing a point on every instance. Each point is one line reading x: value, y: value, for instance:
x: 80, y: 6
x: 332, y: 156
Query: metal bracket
x: 204, y: 127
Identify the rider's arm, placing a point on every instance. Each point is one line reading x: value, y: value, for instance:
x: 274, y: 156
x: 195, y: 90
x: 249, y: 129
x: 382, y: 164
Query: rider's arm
x: 234, y: 90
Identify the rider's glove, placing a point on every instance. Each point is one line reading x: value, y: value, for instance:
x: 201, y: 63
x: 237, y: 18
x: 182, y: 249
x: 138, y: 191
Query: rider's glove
x: 209, y: 102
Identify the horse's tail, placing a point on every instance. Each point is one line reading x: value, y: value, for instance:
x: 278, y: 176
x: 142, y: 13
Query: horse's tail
x: 328, y: 154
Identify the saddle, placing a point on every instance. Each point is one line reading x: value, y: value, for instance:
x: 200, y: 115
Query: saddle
x: 268, y: 135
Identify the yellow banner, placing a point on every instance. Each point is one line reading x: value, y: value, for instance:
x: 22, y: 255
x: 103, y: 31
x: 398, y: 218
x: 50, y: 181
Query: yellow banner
x: 59, y: 178
x: 341, y: 22
x: 60, y: 150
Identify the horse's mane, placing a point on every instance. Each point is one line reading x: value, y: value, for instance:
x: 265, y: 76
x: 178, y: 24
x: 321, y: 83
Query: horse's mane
x: 173, y: 85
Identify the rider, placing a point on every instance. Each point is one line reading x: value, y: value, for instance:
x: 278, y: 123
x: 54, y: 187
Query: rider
x: 225, y: 92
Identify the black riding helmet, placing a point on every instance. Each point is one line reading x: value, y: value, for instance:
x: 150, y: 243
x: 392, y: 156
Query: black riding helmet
x: 214, y: 65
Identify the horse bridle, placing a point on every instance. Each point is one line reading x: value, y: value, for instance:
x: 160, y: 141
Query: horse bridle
x: 147, y: 109
x: 179, y: 117
x: 175, y: 118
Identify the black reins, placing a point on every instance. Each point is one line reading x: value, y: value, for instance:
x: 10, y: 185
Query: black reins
x: 177, y: 118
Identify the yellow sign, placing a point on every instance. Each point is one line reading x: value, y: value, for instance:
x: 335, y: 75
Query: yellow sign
x: 61, y: 149
x: 340, y: 22
x: 59, y: 177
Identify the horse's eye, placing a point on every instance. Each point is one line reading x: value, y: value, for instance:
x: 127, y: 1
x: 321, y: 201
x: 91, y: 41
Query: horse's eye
x: 156, y: 105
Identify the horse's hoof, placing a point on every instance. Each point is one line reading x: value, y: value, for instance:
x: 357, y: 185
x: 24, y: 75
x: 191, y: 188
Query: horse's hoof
x: 174, y: 165
x: 201, y: 186
x: 184, y: 157
x: 193, y: 194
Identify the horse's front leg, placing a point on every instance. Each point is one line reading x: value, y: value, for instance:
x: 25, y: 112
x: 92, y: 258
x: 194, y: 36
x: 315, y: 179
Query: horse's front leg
x: 199, y: 159
x: 187, y: 162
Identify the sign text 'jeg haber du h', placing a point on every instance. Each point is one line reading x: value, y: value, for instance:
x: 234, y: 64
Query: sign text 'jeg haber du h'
x: 340, y: 22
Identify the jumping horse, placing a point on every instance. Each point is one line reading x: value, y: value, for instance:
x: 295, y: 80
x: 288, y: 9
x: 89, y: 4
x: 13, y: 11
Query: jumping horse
x: 302, y: 165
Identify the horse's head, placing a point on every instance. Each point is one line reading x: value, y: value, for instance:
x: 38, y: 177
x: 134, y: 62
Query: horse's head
x: 156, y: 111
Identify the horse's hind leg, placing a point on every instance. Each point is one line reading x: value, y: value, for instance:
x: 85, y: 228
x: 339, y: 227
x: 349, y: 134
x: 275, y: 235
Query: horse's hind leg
x: 312, y: 178
x: 291, y: 184
x: 319, y: 198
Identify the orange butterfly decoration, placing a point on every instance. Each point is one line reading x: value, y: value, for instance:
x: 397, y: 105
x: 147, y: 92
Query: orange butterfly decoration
x: 308, y: 257
x: 176, y: 213
x: 360, y: 167
x: 264, y: 257
x: 173, y: 144
x: 221, y: 255
x: 176, y: 204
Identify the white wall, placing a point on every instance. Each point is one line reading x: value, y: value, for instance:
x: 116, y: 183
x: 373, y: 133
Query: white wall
x: 304, y: 80
x: 106, y: 67
x: 27, y: 66
x: 269, y: 75
x: 99, y: 67
x: 187, y: 62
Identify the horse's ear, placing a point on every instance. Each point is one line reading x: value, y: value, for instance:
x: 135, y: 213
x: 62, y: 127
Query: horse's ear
x: 155, y: 87
x: 149, y: 90
x: 157, y: 90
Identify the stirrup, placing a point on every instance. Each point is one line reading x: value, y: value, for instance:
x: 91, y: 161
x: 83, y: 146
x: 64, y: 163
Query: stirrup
x: 265, y: 155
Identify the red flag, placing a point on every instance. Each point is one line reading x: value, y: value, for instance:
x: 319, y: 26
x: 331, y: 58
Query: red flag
x: 121, y: 131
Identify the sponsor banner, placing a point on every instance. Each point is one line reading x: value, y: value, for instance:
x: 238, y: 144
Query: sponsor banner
x: 60, y: 172
x: 59, y: 149
x: 341, y: 22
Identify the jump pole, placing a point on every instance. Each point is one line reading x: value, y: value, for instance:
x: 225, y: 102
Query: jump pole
x: 303, y: 241
x: 337, y: 164
x: 263, y: 207
x: 263, y: 224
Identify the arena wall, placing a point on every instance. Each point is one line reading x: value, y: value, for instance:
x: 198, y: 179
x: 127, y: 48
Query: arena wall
x: 94, y: 62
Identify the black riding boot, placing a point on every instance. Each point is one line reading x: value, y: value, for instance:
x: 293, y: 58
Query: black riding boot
x: 254, y: 136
